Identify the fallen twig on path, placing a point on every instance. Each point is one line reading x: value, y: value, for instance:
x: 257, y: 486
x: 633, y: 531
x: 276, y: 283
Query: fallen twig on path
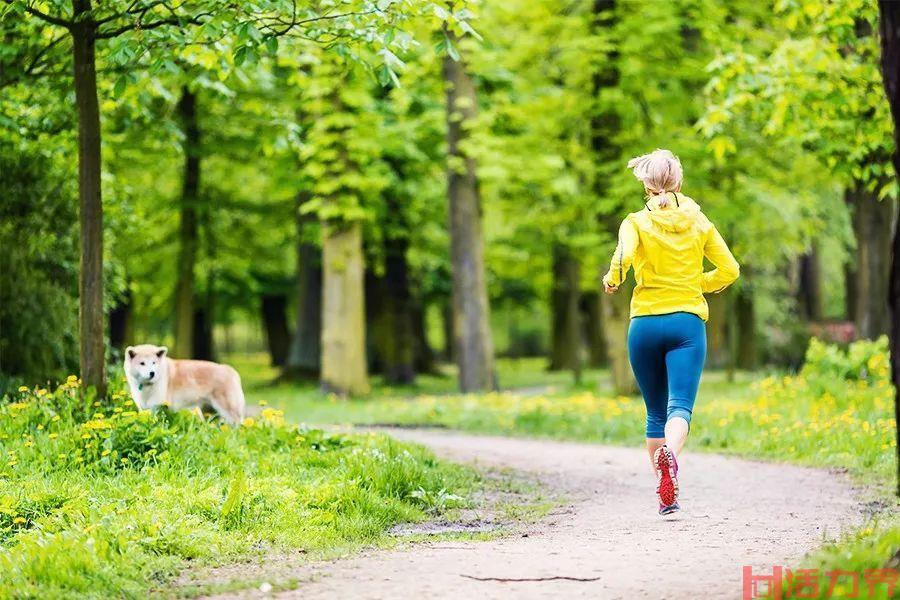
x: 529, y: 579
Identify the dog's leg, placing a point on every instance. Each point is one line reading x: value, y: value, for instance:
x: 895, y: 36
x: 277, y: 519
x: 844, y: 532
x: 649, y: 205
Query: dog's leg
x: 135, y: 396
x: 225, y: 412
x: 229, y: 404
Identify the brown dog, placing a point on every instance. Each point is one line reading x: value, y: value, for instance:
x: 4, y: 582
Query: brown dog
x: 155, y: 379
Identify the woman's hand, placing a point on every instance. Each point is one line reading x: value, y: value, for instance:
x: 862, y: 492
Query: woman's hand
x: 610, y: 289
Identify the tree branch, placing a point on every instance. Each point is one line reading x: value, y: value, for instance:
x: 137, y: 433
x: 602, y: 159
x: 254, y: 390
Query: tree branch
x: 45, y: 17
x: 128, y: 11
x: 269, y: 24
x: 139, y: 26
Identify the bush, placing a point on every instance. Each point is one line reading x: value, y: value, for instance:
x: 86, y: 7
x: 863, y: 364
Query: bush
x: 38, y: 269
x: 863, y: 360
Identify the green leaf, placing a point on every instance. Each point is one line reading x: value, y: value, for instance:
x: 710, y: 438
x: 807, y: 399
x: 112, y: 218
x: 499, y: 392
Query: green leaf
x: 119, y: 87
x: 240, y: 55
x: 451, y: 49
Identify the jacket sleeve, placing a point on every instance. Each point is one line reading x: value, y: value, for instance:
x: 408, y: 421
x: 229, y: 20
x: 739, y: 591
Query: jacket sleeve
x: 623, y: 255
x: 727, y: 268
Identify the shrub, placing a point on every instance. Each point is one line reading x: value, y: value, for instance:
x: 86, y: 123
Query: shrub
x: 863, y: 360
x: 38, y: 269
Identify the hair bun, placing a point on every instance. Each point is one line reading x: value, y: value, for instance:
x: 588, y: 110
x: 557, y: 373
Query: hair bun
x: 660, y: 171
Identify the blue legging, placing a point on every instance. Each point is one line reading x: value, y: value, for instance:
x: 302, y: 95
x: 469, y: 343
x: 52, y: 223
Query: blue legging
x: 667, y: 353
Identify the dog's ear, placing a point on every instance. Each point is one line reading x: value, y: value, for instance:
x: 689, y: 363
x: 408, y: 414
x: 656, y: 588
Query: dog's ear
x: 130, y: 352
x: 161, y: 351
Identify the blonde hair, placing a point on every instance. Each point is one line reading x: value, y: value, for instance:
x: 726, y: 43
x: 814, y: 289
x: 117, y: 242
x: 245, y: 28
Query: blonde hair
x: 660, y: 172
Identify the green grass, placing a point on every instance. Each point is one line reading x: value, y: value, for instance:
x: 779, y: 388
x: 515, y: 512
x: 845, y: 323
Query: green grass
x: 875, y: 546
x: 99, y: 501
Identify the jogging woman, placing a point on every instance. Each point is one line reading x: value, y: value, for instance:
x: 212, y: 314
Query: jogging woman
x: 666, y: 243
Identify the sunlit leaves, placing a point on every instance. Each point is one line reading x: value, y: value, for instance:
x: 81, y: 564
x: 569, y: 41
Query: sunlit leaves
x: 818, y: 82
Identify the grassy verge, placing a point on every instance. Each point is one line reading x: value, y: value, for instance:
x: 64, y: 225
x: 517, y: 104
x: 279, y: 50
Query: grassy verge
x: 97, y: 500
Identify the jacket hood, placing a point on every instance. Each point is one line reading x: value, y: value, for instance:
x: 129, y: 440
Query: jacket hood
x: 679, y: 215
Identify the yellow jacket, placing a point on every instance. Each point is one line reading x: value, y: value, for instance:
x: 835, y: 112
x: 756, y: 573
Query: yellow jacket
x: 666, y: 246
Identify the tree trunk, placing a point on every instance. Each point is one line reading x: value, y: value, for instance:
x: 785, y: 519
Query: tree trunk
x: 390, y: 302
x: 616, y: 311
x: 872, y: 226
x: 592, y: 310
x: 809, y: 285
x: 399, y: 343
x: 278, y: 337
x: 474, y: 347
x: 90, y: 283
x: 376, y: 323
x: 343, y: 315
x: 423, y: 355
x: 305, y: 351
x: 565, y: 331
x: 188, y: 232
x: 850, y: 268
x: 605, y: 126
x: 121, y: 323
x: 449, y: 334
x: 202, y: 334
x: 718, y: 350
x: 890, y: 69
x: 745, y: 317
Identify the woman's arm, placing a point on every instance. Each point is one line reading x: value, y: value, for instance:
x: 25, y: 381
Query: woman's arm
x: 623, y: 256
x: 727, y: 269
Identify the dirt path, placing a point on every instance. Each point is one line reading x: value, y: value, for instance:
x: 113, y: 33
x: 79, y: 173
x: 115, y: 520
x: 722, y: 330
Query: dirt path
x: 735, y: 513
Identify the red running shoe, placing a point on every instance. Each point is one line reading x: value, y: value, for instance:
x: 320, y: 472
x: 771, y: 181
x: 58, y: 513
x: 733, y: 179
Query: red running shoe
x: 667, y: 477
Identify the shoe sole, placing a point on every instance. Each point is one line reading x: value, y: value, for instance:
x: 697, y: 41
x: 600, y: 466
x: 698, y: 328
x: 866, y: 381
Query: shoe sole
x: 667, y: 491
x: 668, y: 510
